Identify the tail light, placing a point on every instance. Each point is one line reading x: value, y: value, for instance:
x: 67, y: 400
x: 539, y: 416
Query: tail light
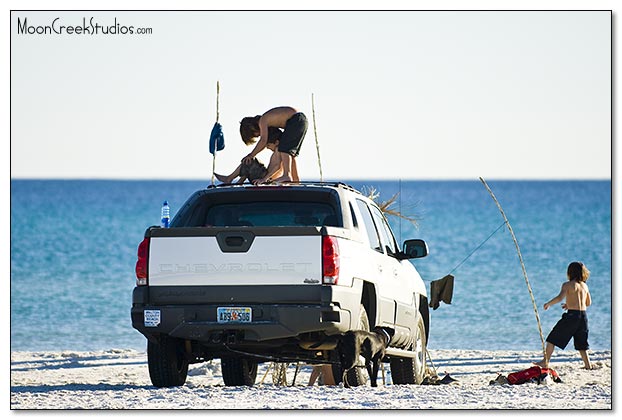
x: 330, y: 260
x: 141, y: 263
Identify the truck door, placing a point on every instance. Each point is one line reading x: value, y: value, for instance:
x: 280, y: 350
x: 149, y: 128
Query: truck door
x: 381, y: 266
x: 399, y: 284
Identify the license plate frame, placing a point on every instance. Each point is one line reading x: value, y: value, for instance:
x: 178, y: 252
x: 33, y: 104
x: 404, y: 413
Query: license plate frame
x: 234, y: 315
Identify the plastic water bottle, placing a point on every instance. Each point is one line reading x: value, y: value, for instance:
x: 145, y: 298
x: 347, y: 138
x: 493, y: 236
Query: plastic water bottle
x: 166, y: 215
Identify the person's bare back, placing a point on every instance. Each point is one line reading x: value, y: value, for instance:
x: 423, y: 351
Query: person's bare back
x: 277, y: 117
x: 577, y: 295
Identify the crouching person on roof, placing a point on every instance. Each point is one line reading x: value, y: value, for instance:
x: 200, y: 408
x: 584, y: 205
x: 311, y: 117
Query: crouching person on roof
x: 252, y: 169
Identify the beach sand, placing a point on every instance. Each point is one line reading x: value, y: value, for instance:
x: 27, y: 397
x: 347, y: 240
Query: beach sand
x: 119, y: 379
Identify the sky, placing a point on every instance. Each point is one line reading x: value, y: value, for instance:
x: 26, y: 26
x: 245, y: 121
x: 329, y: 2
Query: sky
x: 388, y: 94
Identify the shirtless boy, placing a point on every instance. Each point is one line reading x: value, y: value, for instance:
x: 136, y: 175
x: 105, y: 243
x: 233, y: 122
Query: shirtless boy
x: 574, y: 321
x: 295, y: 126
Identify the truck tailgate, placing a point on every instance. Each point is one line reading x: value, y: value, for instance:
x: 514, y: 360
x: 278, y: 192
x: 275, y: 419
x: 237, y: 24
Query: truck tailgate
x: 210, y: 256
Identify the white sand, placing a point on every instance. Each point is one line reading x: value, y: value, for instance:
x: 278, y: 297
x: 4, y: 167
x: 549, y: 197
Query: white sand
x: 119, y: 379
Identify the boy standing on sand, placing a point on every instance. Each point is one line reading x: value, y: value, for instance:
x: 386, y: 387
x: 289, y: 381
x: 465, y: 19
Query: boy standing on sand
x: 295, y: 126
x: 574, y: 322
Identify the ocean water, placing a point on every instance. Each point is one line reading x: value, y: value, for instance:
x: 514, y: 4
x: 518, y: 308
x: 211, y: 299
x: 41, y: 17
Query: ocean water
x: 73, y: 250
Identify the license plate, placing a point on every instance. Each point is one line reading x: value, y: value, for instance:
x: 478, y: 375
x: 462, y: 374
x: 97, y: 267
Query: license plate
x: 232, y: 315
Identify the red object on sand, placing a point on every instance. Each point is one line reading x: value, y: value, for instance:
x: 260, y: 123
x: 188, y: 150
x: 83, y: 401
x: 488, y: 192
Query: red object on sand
x: 533, y: 373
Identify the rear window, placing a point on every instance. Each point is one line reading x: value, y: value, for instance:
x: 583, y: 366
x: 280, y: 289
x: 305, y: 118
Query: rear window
x: 261, y: 207
x: 271, y: 214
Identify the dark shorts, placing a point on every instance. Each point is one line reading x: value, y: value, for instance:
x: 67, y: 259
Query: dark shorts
x: 572, y: 325
x: 294, y: 133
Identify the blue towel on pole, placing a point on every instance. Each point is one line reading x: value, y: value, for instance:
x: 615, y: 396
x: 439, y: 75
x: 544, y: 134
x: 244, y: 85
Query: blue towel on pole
x: 216, y: 139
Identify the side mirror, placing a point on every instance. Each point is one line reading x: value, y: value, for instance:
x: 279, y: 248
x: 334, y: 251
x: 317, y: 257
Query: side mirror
x: 414, y: 248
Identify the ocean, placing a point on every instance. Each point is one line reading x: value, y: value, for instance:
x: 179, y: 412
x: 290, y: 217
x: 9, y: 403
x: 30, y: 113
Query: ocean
x: 74, y: 242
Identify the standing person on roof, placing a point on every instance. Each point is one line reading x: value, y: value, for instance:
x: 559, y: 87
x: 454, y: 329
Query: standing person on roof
x: 295, y: 126
x: 574, y: 321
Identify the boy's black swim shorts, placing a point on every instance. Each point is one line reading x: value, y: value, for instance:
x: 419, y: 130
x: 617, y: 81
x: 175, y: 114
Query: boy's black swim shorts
x: 572, y: 325
x: 295, y: 130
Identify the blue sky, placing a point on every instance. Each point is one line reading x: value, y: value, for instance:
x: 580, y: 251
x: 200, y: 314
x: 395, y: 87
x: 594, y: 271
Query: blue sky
x: 410, y: 95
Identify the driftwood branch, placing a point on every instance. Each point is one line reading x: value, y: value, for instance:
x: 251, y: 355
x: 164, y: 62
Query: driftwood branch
x: 520, y: 258
x: 387, y: 206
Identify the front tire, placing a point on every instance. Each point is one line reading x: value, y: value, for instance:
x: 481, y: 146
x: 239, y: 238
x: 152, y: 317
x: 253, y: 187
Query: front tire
x: 238, y: 371
x: 408, y: 371
x: 167, y: 362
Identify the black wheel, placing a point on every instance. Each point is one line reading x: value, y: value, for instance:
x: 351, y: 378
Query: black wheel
x: 406, y: 370
x: 168, y: 365
x: 356, y: 376
x: 238, y: 371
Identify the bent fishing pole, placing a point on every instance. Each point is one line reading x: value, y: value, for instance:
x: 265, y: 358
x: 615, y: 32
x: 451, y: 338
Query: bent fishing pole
x: 520, y: 258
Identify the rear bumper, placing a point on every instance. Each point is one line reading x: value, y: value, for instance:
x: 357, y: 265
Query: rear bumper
x: 191, y: 312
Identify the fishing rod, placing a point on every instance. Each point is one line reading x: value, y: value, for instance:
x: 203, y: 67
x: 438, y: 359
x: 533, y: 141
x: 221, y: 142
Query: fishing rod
x: 520, y: 258
x: 506, y: 222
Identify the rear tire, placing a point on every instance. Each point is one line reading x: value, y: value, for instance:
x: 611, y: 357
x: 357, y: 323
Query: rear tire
x: 408, y: 371
x: 356, y: 376
x: 238, y: 371
x: 167, y: 362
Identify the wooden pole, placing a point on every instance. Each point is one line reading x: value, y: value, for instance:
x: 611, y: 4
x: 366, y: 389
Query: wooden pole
x: 217, y: 117
x: 317, y: 144
x: 520, y: 258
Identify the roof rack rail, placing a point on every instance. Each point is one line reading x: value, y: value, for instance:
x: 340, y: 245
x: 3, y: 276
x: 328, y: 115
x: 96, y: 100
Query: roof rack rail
x: 294, y: 184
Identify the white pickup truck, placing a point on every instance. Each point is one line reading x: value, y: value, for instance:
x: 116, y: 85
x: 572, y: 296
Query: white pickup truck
x: 252, y: 274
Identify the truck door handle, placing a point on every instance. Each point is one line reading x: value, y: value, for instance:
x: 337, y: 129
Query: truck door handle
x: 235, y: 241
